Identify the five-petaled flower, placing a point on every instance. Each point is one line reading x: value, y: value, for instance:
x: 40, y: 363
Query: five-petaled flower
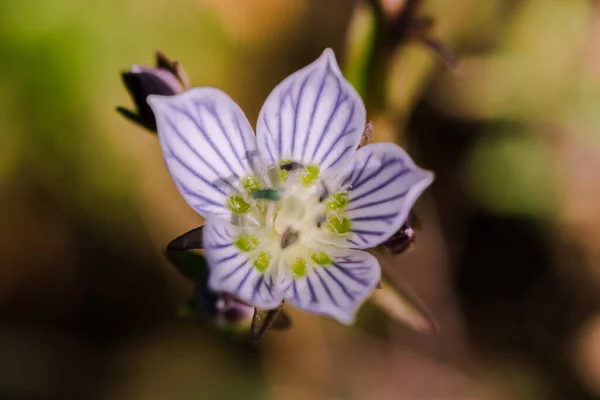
x: 288, y: 211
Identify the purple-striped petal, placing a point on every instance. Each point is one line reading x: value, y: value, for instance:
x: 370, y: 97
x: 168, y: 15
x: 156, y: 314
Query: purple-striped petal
x: 337, y: 289
x: 207, y: 144
x: 383, y: 184
x: 313, y: 117
x: 232, y: 271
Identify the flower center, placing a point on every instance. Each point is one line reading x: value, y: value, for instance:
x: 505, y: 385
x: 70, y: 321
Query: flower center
x: 291, y: 221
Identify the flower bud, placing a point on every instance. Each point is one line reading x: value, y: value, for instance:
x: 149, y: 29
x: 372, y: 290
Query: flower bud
x: 166, y: 79
x: 402, y: 240
x: 224, y: 310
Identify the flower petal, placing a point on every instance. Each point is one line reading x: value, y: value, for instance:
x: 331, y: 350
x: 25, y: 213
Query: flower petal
x: 313, y: 117
x: 232, y: 271
x: 207, y: 144
x: 383, y: 184
x: 337, y: 289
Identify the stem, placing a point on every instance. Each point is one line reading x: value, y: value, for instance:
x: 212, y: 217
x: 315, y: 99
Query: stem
x: 389, y: 34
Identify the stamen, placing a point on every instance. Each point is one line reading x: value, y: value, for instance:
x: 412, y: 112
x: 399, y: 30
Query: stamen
x: 289, y: 237
x: 270, y: 212
x: 238, y: 220
x: 321, y: 220
x: 274, y: 176
x: 224, y: 182
x: 324, y: 194
x: 252, y: 220
x: 238, y: 204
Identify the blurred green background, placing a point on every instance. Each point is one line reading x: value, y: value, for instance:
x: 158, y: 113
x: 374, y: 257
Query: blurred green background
x: 507, y: 260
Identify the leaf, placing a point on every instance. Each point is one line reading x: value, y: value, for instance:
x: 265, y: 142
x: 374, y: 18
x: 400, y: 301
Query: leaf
x: 192, y: 265
x: 401, y: 305
x: 188, y: 310
x: 188, y: 241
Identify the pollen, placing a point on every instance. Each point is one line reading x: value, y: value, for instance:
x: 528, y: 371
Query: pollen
x: 299, y: 268
x: 312, y: 174
x: 337, y: 201
x: 321, y: 258
x: 238, y: 204
x: 246, y: 243
x: 338, y: 224
x: 251, y: 182
x: 262, y: 261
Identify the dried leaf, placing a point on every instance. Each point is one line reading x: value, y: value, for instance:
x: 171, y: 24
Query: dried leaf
x: 402, y: 306
x: 263, y: 320
x: 367, y: 136
x: 163, y: 61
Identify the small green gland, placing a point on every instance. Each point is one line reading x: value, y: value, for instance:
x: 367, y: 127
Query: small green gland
x: 251, y: 182
x: 299, y: 268
x: 238, y: 205
x: 338, y: 224
x: 312, y: 174
x: 262, y: 261
x: 337, y: 201
x: 321, y: 258
x: 246, y: 243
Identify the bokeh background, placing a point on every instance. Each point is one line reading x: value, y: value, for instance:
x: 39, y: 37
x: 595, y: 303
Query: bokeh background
x: 507, y: 260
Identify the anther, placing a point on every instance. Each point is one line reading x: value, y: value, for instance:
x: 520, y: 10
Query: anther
x: 291, y: 166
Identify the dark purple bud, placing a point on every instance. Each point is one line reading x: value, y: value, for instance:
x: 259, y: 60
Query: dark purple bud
x: 233, y: 312
x: 221, y: 308
x: 400, y: 241
x: 167, y: 79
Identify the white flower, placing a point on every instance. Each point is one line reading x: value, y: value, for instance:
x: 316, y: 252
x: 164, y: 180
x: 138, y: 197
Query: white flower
x: 288, y: 210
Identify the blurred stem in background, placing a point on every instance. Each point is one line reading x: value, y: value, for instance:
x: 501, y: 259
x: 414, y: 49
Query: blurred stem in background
x: 377, y: 30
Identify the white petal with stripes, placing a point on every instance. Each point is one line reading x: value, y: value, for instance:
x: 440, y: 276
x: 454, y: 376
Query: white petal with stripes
x: 383, y: 184
x: 313, y: 117
x: 289, y: 209
x: 208, y: 146
x: 336, y: 289
x: 233, y: 271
